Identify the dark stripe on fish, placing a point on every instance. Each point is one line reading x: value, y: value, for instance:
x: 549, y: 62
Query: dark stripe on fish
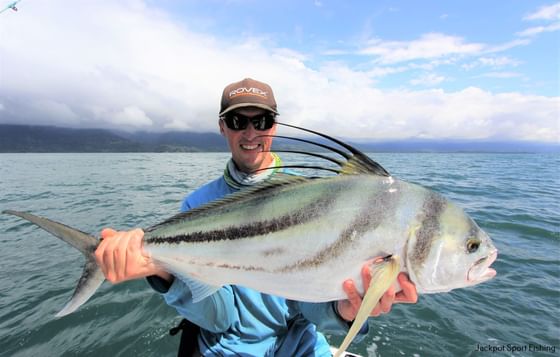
x: 229, y: 266
x: 431, y: 211
x: 230, y: 202
x: 305, y: 214
x: 377, y: 208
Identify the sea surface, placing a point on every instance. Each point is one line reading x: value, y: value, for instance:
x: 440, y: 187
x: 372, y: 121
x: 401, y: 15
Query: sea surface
x: 514, y: 197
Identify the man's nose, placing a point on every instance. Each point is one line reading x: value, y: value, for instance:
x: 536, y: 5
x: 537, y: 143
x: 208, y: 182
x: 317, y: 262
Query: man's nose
x: 250, y: 132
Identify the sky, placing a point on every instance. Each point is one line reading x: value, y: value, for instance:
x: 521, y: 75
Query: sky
x: 401, y: 69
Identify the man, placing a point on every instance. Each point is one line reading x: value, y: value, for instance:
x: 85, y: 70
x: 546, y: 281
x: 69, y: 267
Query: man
x: 237, y: 320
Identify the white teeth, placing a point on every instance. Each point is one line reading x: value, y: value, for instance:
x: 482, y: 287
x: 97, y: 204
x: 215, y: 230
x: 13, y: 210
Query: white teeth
x: 249, y: 147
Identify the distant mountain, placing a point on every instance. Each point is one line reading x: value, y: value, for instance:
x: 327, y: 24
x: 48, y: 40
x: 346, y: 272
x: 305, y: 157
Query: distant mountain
x: 497, y: 146
x: 178, y: 141
x: 23, y: 138
x: 27, y: 138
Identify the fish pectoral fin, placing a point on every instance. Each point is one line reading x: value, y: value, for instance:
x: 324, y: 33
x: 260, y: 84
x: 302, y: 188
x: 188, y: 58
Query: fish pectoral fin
x: 383, y: 274
x: 199, y: 290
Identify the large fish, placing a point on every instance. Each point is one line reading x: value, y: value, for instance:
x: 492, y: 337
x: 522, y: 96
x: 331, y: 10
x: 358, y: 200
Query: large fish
x: 300, y: 238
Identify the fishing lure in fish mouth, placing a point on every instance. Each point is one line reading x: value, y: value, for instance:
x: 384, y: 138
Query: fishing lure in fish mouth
x: 337, y: 222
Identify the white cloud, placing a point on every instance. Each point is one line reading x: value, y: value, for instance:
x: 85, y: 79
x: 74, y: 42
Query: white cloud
x: 546, y: 14
x: 386, y: 70
x: 132, y: 66
x: 501, y: 75
x: 498, y: 61
x: 428, y: 46
x: 54, y: 111
x: 129, y: 116
x: 507, y: 45
x: 494, y: 62
x: 533, y: 31
x: 550, y: 12
x: 427, y: 80
x: 177, y: 125
x: 469, y: 113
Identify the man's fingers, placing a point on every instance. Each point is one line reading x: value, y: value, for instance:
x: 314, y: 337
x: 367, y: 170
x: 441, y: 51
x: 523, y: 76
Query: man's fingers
x: 376, y: 311
x: 100, y: 253
x: 387, y: 300
x: 99, y: 257
x: 353, y: 295
x: 120, y: 256
x: 408, y: 294
x: 366, y: 275
x: 134, y: 249
x: 114, y: 256
x: 109, y: 256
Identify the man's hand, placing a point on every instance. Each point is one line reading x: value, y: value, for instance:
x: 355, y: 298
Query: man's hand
x: 348, y: 309
x: 121, y: 257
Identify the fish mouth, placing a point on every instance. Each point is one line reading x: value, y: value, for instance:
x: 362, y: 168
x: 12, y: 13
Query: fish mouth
x: 481, y: 271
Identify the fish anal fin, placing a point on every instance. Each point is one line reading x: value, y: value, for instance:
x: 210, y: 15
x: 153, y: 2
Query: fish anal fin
x: 383, y: 275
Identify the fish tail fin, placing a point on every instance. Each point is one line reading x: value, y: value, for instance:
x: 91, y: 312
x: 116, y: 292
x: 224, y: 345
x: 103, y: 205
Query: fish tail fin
x: 92, y: 276
x: 383, y: 274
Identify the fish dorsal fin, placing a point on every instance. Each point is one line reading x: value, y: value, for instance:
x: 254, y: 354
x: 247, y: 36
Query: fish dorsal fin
x: 356, y: 161
x: 357, y: 165
x: 277, y: 180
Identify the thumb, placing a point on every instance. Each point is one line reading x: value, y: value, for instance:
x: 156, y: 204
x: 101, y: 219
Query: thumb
x: 107, y: 233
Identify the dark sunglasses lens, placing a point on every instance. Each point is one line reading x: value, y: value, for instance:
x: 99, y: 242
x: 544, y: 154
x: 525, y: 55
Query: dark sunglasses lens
x: 236, y: 122
x: 240, y: 122
x: 263, y: 122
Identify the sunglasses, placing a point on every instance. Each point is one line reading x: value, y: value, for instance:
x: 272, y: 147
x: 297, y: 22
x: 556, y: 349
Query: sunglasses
x: 237, y: 122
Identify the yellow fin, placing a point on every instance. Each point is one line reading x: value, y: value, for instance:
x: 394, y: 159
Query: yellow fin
x: 383, y: 274
x: 362, y: 164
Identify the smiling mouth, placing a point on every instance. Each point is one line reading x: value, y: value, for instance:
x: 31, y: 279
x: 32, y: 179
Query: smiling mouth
x: 250, y: 147
x: 481, y: 271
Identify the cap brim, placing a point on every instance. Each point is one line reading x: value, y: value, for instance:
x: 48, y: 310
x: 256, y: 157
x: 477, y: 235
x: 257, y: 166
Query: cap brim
x: 245, y: 105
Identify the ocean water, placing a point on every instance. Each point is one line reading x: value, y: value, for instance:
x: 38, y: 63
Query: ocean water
x: 514, y: 197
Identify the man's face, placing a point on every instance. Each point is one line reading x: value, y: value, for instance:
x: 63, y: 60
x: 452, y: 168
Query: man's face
x: 249, y: 151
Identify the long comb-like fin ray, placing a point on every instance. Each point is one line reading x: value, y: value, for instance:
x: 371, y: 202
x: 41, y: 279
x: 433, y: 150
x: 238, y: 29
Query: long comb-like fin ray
x: 300, y: 167
x: 331, y: 159
x: 92, y: 277
x: 340, y: 152
x: 362, y: 158
x: 383, y: 275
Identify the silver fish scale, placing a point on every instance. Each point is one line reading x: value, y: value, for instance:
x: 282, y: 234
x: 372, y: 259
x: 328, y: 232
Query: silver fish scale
x: 322, y: 226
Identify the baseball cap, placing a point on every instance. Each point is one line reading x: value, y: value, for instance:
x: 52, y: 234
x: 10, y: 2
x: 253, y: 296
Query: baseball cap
x: 247, y: 93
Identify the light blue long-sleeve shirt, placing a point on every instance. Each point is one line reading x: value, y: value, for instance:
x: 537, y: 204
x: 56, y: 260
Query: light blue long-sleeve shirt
x: 243, y: 322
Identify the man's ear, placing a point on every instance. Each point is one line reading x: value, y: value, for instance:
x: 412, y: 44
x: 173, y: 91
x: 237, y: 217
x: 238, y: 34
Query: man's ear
x: 221, y: 125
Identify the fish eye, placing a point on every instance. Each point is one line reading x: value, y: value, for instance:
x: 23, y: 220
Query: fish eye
x: 472, y: 245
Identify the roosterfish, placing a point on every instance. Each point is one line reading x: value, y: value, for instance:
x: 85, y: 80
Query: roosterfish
x: 301, y: 237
